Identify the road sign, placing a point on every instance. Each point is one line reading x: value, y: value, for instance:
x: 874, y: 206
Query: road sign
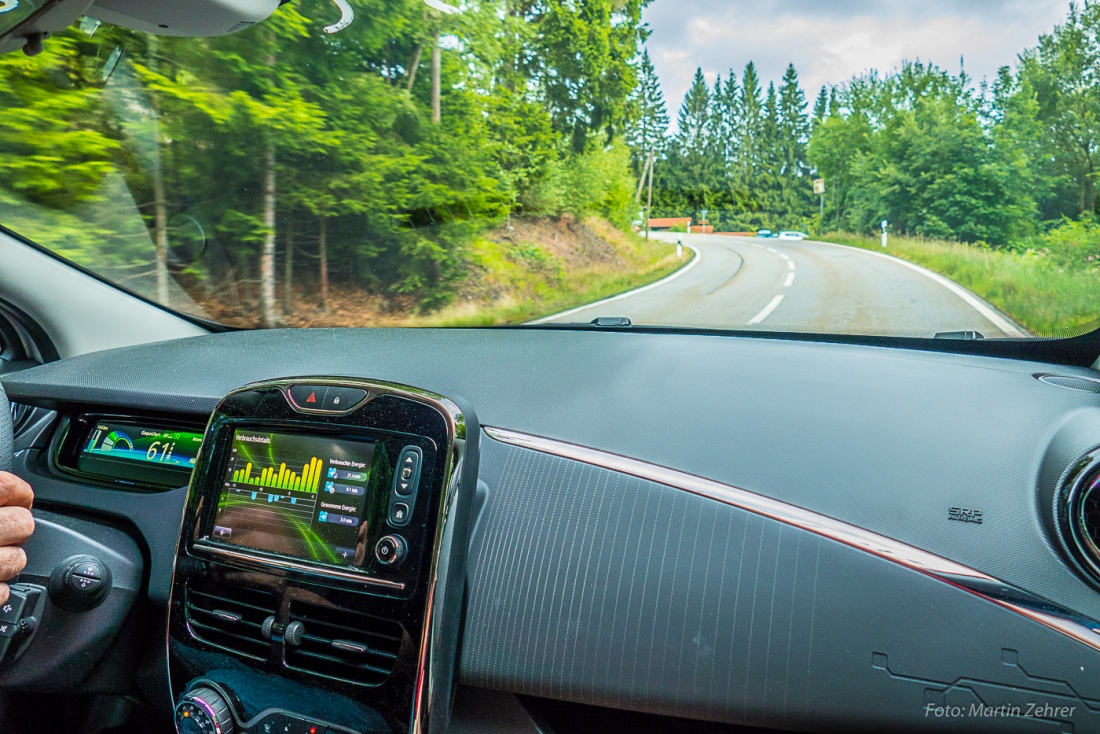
x: 819, y: 186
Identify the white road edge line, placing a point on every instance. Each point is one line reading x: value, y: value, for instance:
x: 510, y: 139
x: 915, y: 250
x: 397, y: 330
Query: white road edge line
x: 990, y: 315
x: 668, y: 278
x: 790, y: 279
x: 767, y: 311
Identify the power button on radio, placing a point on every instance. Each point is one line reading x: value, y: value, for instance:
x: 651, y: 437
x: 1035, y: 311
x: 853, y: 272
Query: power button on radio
x: 391, y: 550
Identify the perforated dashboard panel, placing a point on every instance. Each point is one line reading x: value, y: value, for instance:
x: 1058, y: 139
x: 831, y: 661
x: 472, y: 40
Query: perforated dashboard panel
x: 598, y: 587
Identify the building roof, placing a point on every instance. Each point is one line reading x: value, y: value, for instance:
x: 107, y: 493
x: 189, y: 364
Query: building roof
x: 667, y: 222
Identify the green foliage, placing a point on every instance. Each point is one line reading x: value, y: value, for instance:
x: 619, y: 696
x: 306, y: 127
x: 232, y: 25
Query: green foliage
x: 923, y: 148
x: 361, y: 169
x: 740, y: 154
x: 1073, y: 244
x: 583, y: 52
x: 648, y: 129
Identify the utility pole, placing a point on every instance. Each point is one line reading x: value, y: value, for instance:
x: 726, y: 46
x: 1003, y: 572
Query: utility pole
x: 641, y: 180
x: 649, y: 200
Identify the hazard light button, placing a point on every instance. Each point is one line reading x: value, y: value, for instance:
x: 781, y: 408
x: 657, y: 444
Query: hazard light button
x: 309, y: 397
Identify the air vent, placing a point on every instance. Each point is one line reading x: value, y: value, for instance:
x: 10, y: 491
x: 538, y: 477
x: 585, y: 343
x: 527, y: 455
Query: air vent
x: 229, y: 617
x: 343, y: 645
x: 1082, y: 384
x: 20, y: 414
x: 240, y: 25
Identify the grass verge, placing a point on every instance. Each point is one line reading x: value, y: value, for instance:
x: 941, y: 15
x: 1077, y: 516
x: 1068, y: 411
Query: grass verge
x: 1038, y: 294
x: 534, y: 274
x: 514, y: 274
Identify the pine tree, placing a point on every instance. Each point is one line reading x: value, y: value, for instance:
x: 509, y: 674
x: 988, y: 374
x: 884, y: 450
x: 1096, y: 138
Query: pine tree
x: 648, y: 131
x: 748, y: 131
x: 769, y: 171
x: 685, y: 179
x: 821, y: 107
x: 793, y: 137
x: 693, y: 120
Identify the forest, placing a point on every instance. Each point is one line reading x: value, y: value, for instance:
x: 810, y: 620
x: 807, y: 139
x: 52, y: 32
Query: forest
x: 381, y: 157
x: 372, y: 156
x: 999, y: 162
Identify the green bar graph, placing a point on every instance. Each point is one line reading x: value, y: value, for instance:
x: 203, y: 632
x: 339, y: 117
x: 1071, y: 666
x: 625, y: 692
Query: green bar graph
x: 307, y: 480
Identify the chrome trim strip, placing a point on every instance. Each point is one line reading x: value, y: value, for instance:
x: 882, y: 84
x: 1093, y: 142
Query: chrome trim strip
x: 265, y: 562
x: 1024, y: 603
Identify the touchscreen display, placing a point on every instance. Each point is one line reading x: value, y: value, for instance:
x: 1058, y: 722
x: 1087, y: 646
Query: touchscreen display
x: 142, y: 444
x: 299, y: 496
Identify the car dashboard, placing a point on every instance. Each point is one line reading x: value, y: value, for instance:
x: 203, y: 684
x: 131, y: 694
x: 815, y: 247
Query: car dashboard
x: 751, y: 531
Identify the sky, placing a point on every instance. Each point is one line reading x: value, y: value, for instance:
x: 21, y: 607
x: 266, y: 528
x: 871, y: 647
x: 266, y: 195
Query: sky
x: 829, y: 41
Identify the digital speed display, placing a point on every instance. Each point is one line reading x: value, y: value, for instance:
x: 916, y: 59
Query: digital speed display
x: 143, y: 444
x: 301, y: 496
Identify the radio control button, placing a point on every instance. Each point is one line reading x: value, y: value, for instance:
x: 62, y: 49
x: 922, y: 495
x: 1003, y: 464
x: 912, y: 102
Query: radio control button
x: 399, y: 514
x: 391, y: 550
x: 408, y: 471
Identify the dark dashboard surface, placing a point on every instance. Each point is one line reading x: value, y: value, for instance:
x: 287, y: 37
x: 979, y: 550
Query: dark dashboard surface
x: 888, y: 440
x: 885, y: 439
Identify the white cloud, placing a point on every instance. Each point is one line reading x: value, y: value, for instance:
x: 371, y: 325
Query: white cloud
x: 831, y: 41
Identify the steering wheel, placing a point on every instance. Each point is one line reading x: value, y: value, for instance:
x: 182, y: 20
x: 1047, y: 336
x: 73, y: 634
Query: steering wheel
x: 5, y: 432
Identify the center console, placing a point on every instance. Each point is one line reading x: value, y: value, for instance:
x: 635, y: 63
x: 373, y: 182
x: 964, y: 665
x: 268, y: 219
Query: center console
x: 320, y: 569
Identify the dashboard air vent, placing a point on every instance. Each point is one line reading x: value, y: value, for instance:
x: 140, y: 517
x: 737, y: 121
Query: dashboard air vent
x: 229, y: 617
x: 342, y: 645
x: 20, y: 414
x: 1083, y: 384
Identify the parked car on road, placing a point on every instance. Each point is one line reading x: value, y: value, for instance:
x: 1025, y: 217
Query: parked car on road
x: 793, y: 235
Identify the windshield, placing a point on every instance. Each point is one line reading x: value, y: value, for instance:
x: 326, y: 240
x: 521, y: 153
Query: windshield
x: 894, y: 168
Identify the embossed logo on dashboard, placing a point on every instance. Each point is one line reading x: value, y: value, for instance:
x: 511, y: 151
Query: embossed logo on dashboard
x: 963, y: 514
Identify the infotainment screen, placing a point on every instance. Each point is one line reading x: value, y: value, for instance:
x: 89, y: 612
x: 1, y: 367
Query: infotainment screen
x: 143, y: 444
x: 298, y: 496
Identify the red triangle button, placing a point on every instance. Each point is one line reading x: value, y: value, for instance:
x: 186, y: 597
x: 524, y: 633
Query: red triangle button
x: 312, y: 398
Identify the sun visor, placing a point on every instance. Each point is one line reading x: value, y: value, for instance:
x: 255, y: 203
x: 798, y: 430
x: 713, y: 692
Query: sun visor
x: 184, y: 17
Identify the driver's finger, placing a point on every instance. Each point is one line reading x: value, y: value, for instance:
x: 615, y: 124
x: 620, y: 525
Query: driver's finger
x: 16, y: 526
x: 3, y: 593
x: 13, y: 560
x: 14, y: 492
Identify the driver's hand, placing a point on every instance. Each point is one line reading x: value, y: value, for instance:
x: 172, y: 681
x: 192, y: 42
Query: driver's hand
x: 16, y: 526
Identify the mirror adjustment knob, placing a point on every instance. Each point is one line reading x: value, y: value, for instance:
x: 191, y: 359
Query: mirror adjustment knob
x: 203, y: 710
x: 391, y: 550
x: 80, y: 583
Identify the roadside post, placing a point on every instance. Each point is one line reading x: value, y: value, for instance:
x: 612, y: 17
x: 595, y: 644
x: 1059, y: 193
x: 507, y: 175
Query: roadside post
x: 679, y: 247
x: 885, y: 225
x: 819, y: 189
x: 703, y: 212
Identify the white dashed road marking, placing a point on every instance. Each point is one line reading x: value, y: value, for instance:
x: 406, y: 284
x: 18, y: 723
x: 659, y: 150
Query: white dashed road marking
x: 758, y: 318
x: 774, y: 303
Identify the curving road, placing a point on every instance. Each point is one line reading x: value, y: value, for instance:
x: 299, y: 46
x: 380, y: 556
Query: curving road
x: 808, y: 286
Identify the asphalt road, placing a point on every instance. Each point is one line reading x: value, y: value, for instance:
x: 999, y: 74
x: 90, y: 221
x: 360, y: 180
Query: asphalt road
x: 779, y: 285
